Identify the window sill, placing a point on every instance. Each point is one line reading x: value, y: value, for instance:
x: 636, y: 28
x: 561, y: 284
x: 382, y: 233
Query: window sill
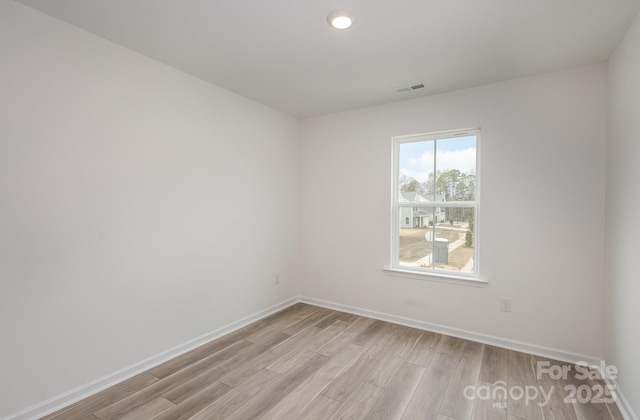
x: 437, y: 277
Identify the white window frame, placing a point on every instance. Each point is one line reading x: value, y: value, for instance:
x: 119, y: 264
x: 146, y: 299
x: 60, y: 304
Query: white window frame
x: 431, y: 273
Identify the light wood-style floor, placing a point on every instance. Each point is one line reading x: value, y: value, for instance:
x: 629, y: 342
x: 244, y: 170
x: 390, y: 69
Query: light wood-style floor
x: 307, y: 362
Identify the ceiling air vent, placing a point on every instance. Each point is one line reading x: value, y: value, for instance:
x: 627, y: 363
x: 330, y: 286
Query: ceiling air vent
x: 408, y: 88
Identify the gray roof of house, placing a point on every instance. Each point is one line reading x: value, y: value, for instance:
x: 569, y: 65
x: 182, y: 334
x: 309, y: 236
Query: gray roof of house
x: 412, y: 196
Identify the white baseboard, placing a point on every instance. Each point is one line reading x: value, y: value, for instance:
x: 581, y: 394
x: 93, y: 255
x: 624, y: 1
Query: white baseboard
x: 560, y: 355
x: 83, y: 391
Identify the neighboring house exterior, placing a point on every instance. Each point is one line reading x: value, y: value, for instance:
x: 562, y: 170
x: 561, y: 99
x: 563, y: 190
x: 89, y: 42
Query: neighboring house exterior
x: 414, y: 217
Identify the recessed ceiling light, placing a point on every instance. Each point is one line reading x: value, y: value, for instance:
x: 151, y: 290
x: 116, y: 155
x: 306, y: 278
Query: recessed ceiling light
x: 341, y: 19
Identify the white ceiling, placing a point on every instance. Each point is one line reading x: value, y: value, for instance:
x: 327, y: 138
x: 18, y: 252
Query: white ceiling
x: 283, y: 54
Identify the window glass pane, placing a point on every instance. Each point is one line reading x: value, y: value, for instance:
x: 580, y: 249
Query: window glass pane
x: 415, y: 237
x: 439, y: 238
x: 415, y: 171
x: 456, y: 169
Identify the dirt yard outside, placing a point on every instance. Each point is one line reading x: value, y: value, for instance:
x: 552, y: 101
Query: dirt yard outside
x: 414, y: 246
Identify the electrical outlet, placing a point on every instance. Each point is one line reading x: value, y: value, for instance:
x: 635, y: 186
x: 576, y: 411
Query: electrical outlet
x: 505, y: 304
x: 277, y: 279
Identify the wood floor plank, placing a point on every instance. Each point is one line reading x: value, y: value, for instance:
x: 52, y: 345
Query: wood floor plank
x: 494, y: 365
x: 295, y: 310
x: 347, y: 317
x: 424, y: 349
x: 586, y: 405
x: 520, y: 374
x: 466, y: 374
x: 408, y: 336
x: 557, y: 408
x: 614, y: 411
x: 256, y: 364
x: 388, y: 365
x: 206, y: 377
x: 296, y: 355
x: 610, y: 398
x: 83, y: 409
x: 236, y: 397
x: 288, y: 316
x: 426, y: 400
x: 360, y: 402
x: 178, y: 379
x: 346, y: 336
x: 374, y: 331
x: 267, y: 335
x: 149, y: 410
x: 277, y: 390
x: 449, y: 344
x: 308, y: 321
x: 280, y: 324
x: 178, y: 363
x: 399, y: 343
x: 342, y: 387
x: 328, y: 320
x: 195, y: 403
x: 396, y: 397
x: 293, y: 404
x: 275, y: 340
x: 321, y: 407
x: 490, y: 406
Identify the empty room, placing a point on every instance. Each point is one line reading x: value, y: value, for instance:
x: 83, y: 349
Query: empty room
x: 319, y: 209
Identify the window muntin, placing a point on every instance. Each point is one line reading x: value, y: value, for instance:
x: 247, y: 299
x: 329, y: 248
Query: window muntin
x: 435, y: 199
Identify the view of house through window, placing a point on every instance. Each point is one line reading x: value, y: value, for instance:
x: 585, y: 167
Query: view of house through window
x: 435, y: 202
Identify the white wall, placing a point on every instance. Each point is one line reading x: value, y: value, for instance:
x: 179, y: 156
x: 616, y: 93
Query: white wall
x: 623, y: 210
x: 139, y: 207
x: 541, y: 220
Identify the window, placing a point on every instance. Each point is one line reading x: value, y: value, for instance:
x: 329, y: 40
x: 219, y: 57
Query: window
x: 435, y: 203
